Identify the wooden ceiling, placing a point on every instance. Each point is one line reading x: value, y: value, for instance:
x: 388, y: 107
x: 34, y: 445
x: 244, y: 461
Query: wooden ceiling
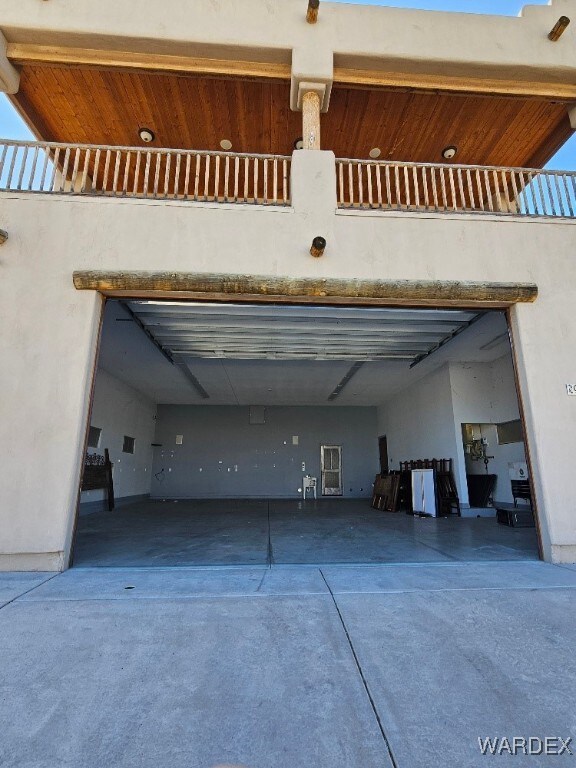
x: 108, y: 106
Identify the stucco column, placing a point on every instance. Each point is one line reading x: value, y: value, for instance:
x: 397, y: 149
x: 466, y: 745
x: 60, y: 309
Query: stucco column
x: 9, y: 76
x: 543, y: 334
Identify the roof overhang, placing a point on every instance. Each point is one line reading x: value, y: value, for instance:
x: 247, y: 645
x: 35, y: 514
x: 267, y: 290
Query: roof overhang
x: 370, y: 45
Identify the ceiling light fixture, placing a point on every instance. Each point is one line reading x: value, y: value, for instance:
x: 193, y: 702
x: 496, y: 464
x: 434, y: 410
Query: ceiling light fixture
x: 346, y: 380
x: 226, y: 145
x: 146, y: 135
x: 375, y: 153
x: 299, y: 144
x: 449, y: 152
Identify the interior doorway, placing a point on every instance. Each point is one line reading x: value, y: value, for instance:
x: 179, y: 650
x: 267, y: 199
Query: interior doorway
x: 331, y: 463
x: 383, y: 451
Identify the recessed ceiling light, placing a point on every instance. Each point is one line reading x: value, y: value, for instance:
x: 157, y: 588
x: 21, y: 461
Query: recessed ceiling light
x: 375, y: 153
x: 146, y: 135
x: 226, y: 145
x: 299, y: 144
x: 449, y: 152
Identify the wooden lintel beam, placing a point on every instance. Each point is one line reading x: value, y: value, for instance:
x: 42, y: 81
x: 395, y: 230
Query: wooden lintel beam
x: 22, y: 54
x: 212, y: 287
x: 454, y: 84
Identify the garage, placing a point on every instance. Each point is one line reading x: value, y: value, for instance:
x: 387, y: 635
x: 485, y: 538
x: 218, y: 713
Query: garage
x: 243, y: 434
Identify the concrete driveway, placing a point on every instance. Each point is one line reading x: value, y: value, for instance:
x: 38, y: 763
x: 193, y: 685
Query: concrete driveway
x: 338, y: 667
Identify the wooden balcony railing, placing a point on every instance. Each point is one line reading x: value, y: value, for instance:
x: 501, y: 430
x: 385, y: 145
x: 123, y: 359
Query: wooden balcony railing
x: 224, y: 177
x: 422, y: 187
x: 78, y: 169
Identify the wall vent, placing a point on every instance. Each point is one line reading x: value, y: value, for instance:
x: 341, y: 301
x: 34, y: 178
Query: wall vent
x: 94, y: 434
x: 510, y: 432
x: 257, y: 414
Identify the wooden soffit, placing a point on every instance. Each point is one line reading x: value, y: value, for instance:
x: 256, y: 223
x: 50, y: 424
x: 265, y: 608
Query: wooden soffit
x: 107, y: 106
x: 217, y: 287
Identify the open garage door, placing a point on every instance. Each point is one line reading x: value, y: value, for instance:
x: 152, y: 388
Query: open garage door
x: 252, y: 434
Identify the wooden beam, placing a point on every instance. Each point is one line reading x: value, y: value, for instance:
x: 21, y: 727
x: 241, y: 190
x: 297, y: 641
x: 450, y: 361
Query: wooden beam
x: 559, y: 28
x: 22, y: 54
x: 312, y: 13
x: 454, y: 84
x: 311, y: 105
x: 210, y: 287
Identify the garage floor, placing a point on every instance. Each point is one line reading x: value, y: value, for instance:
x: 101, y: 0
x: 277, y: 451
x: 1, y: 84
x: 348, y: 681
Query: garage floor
x: 234, y: 533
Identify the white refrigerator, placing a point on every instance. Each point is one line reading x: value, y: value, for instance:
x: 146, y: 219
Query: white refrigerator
x: 424, y: 492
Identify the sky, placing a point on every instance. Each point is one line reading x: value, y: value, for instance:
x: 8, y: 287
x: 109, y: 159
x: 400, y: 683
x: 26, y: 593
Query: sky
x: 12, y: 127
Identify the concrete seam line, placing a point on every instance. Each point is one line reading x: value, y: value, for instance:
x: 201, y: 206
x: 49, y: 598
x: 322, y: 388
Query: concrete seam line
x: 361, y: 673
x: 270, y: 552
x: 22, y: 594
x: 566, y: 566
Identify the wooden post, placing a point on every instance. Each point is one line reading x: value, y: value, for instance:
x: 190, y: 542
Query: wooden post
x: 311, y: 120
x: 559, y: 28
x: 312, y: 14
x: 318, y: 247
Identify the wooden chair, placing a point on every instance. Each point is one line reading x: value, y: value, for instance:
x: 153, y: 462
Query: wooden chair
x: 521, y: 490
x: 308, y: 484
x: 98, y: 474
x: 448, y: 501
x: 385, y: 495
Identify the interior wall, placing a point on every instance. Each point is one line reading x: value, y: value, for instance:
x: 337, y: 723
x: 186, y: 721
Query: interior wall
x: 485, y: 393
x: 120, y: 410
x: 425, y: 420
x: 419, y: 423
x: 224, y: 456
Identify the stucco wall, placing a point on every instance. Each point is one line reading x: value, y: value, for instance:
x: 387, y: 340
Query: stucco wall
x: 419, y: 422
x: 224, y: 456
x: 49, y: 330
x: 120, y: 410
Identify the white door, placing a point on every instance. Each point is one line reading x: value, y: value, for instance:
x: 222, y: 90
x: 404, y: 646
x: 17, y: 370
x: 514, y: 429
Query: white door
x: 331, y: 459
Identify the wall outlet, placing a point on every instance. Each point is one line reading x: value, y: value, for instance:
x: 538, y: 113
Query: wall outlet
x: 179, y: 439
x: 303, y: 466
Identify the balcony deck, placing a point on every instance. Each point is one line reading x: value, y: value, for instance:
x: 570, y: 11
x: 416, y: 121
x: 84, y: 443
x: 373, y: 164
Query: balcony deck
x: 265, y: 180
